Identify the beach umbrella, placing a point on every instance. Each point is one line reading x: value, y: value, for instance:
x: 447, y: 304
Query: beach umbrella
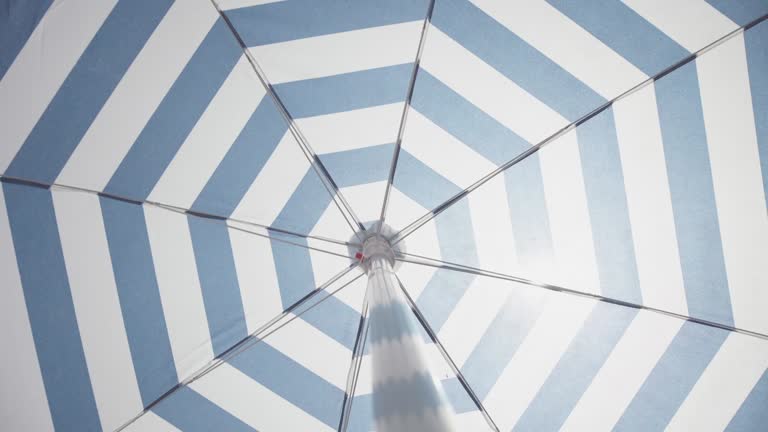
x: 354, y: 215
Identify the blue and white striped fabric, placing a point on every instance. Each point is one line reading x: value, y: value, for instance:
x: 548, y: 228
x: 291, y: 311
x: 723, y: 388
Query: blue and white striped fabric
x: 581, y: 186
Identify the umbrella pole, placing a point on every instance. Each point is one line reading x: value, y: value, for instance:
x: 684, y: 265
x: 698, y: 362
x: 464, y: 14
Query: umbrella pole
x: 406, y: 395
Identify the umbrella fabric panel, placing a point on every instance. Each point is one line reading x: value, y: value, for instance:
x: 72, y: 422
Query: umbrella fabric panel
x: 546, y: 360
x: 496, y: 78
x: 292, y: 379
x: 342, y: 71
x: 657, y: 200
x: 128, y: 300
x: 158, y: 103
x: 741, y: 12
x: 21, y: 24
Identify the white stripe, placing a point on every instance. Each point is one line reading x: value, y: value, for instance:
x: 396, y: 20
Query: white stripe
x: 97, y: 306
x: 234, y: 4
x: 568, y: 215
x: 42, y: 65
x: 365, y: 376
x: 353, y: 294
x: 314, y: 350
x: 724, y: 385
x: 623, y: 373
x: 441, y: 151
x: 730, y: 126
x: 649, y: 202
x: 339, y: 53
x: 256, y: 277
x: 23, y: 401
x: 325, y: 266
x: 331, y: 221
x: 570, y: 46
x: 534, y: 361
x: 470, y: 319
x: 488, y: 89
x: 151, y: 422
x: 350, y: 130
x: 275, y: 184
x: 494, y: 236
x: 365, y: 199
x: 211, y: 138
x: 249, y: 401
x: 693, y: 24
x: 138, y: 94
x: 402, y: 211
x: 180, y: 293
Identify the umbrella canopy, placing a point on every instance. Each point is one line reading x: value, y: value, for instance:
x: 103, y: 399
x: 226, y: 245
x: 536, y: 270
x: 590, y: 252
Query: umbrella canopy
x: 574, y: 194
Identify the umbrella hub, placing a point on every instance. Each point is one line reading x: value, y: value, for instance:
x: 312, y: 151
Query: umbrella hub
x: 376, y: 245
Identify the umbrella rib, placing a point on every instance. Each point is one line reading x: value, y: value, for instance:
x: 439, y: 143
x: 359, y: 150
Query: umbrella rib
x: 181, y: 210
x: 447, y: 357
x: 404, y: 116
x: 431, y: 262
x: 314, y: 161
x: 354, y: 368
x: 257, y: 336
x: 413, y: 226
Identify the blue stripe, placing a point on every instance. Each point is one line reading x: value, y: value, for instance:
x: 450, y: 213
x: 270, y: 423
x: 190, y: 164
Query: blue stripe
x: 609, y: 216
x: 752, y: 415
x: 420, y: 183
x: 50, y: 308
x: 756, y: 42
x: 446, y: 287
x: 693, y: 197
x: 672, y: 378
x: 625, y: 32
x: 295, y: 277
x: 17, y: 22
x: 414, y: 396
x: 86, y: 89
x: 294, y: 271
x: 501, y: 340
x: 218, y: 282
x: 528, y: 214
x: 190, y: 412
x: 335, y: 319
x: 391, y: 322
x: 177, y: 114
x: 305, y: 206
x: 469, y: 124
x: 359, y: 166
x: 361, y: 416
x: 345, y: 92
x: 243, y: 161
x: 298, y: 19
x: 577, y: 368
x: 139, y: 297
x: 742, y: 12
x: 514, y: 58
x: 292, y: 381
x: 458, y: 397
